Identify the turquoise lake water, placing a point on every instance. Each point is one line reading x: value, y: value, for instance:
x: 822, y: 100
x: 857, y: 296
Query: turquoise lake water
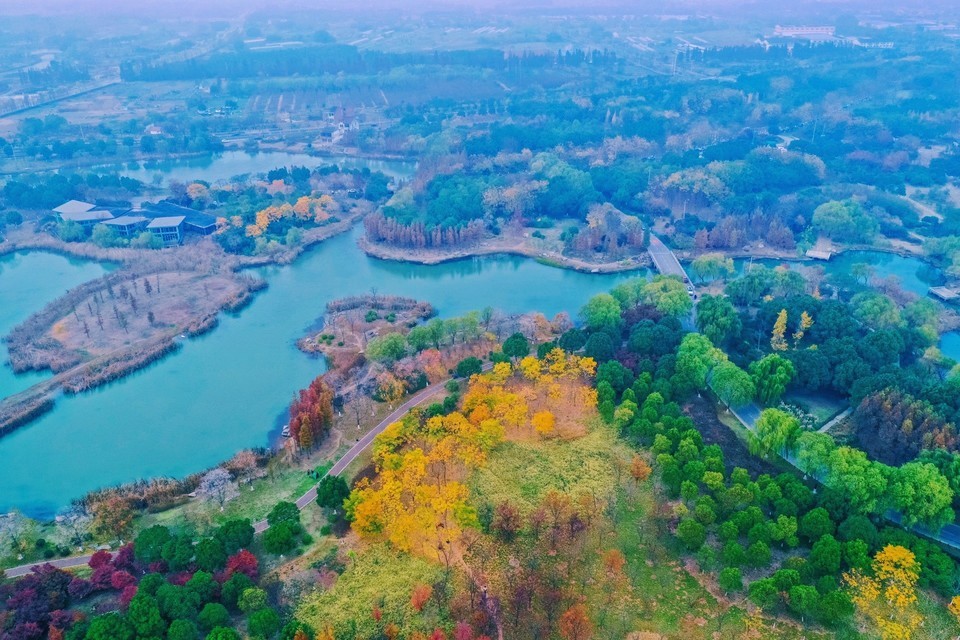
x: 229, y: 389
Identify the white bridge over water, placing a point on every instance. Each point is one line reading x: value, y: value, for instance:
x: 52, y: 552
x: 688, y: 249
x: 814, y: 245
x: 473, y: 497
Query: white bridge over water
x: 666, y: 262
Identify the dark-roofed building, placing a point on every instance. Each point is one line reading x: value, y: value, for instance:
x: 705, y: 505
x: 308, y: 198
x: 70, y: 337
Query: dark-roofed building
x: 194, y: 221
x: 128, y: 226
x: 169, y: 229
x: 86, y: 218
x: 86, y: 214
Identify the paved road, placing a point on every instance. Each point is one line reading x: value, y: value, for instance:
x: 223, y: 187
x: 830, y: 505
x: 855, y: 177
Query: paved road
x: 62, y: 563
x: 364, y: 442
x: 835, y: 420
x: 302, y: 501
x: 949, y: 535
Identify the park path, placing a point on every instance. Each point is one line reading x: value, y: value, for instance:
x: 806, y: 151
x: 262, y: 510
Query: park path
x: 836, y: 419
x: 948, y: 536
x: 307, y: 498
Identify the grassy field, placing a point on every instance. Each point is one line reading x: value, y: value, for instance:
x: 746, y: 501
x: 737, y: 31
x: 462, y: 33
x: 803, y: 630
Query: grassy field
x: 822, y: 408
x: 661, y: 596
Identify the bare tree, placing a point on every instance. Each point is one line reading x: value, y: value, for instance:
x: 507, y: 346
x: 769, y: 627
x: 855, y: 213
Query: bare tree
x: 218, y: 485
x: 76, y: 520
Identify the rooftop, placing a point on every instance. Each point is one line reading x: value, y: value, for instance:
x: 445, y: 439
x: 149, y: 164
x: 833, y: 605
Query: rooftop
x: 74, y: 206
x: 171, y: 221
x: 125, y: 220
x: 86, y: 216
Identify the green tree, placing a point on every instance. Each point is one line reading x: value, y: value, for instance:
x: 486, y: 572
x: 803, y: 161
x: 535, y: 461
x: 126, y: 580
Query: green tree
x: 149, y: 544
x: 602, y: 311
x: 669, y: 295
x: 177, y: 602
x: 763, y: 593
x: 284, y: 511
x: 235, y: 534
x: 263, y: 623
x: 516, y: 346
x: 825, y: 555
x: 696, y: 356
x: 922, y: 495
x: 210, y: 554
x: 775, y: 431
x: 233, y: 588
x: 771, y: 375
x: 331, y: 492
x: 730, y: 579
x: 844, y: 221
x: 803, y: 600
x: 876, y: 310
x: 252, y: 599
x: 280, y: 538
x: 203, y: 586
x: 759, y: 555
x: 815, y: 524
x: 144, y: 614
x: 692, y: 534
x: 182, y: 630
x: 469, y: 366
x: 599, y: 346
x: 387, y: 349
x: 110, y: 626
x: 718, y: 319
x: 223, y: 633
x: 178, y: 552
x: 733, y: 385
x: 862, y: 482
x: 629, y: 293
x: 214, y: 615
x: 105, y: 236
x: 146, y: 240
x: 710, y: 266
x: 70, y: 231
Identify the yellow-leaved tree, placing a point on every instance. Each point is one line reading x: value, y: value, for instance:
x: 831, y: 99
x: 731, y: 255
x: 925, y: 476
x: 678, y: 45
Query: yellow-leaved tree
x: 805, y: 323
x: 887, y: 595
x: 544, y: 422
x: 778, y: 341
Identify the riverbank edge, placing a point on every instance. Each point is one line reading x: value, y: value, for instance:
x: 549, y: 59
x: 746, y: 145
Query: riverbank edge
x: 99, y: 164
x: 551, y: 259
x: 431, y: 257
x: 21, y: 409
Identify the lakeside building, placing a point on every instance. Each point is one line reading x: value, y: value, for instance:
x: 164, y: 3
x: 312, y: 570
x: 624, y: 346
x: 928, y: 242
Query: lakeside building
x: 83, y: 213
x: 130, y: 222
x: 168, y: 229
x: 127, y: 226
x: 194, y: 221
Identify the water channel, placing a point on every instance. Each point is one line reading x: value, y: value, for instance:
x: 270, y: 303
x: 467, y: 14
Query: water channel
x: 228, y: 389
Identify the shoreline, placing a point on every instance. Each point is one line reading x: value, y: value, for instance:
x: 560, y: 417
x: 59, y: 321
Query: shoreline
x: 97, y: 163
x: 19, y: 410
x: 434, y: 257
x: 15, y: 411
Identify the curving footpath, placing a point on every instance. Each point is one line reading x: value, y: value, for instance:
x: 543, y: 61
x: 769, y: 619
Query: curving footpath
x: 307, y: 498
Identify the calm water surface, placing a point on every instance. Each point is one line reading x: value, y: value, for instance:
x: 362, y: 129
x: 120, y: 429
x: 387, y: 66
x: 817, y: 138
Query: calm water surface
x: 28, y: 281
x: 228, y: 390
x: 224, y: 166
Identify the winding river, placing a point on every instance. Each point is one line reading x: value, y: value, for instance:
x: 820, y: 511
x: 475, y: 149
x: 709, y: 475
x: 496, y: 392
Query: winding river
x: 229, y: 389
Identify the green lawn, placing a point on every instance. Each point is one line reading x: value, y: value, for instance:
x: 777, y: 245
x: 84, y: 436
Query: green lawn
x: 823, y: 408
